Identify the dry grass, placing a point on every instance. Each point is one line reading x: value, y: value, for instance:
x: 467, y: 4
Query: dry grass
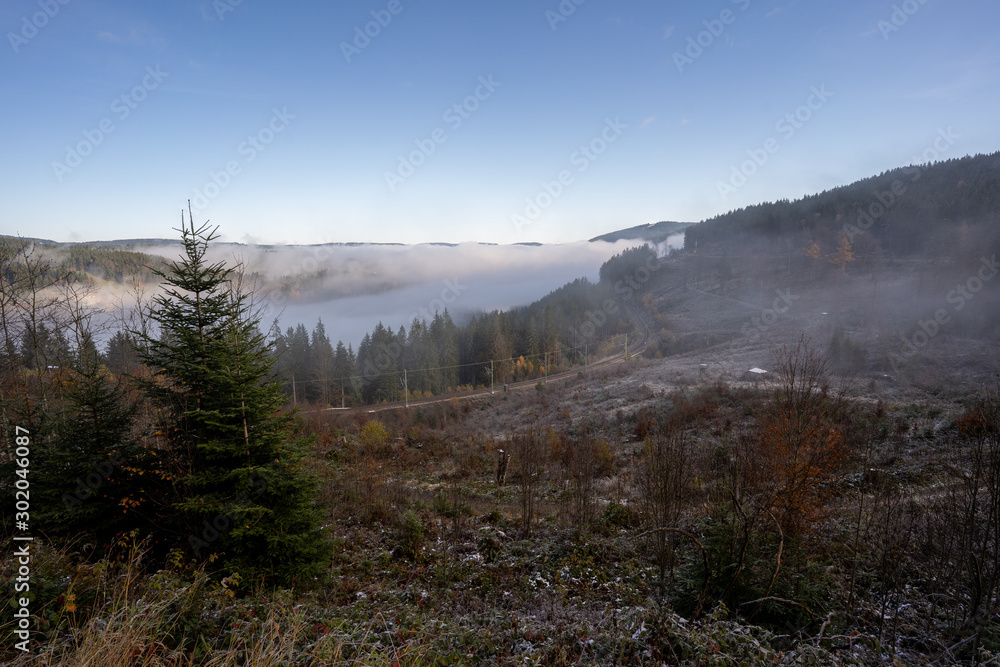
x: 157, y: 621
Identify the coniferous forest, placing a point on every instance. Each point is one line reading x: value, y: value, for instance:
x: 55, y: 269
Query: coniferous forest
x: 442, y: 357
x: 174, y: 435
x: 508, y: 334
x: 780, y: 445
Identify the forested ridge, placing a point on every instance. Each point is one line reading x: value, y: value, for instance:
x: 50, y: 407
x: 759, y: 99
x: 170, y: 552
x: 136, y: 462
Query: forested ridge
x: 547, y: 336
x: 183, y: 511
x: 908, y: 211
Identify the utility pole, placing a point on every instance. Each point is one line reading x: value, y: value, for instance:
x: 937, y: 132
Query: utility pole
x: 295, y: 400
x: 491, y: 376
x: 406, y: 390
x: 546, y: 368
x: 341, y: 393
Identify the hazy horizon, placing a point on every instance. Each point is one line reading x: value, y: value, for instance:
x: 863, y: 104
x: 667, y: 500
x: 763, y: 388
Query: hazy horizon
x: 353, y: 287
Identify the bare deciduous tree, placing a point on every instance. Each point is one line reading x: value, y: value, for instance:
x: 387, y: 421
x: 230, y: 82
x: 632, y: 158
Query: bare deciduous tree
x: 528, y: 457
x: 665, y: 480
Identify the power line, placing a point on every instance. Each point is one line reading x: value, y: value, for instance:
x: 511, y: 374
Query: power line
x: 395, y: 372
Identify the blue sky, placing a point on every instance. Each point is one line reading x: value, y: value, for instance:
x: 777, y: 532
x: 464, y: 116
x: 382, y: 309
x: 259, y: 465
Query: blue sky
x: 285, y: 123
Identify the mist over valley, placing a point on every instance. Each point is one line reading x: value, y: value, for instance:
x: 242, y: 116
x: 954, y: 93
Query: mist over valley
x: 560, y: 333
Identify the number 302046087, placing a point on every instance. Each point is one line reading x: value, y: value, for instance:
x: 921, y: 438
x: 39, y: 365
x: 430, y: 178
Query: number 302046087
x: 21, y: 484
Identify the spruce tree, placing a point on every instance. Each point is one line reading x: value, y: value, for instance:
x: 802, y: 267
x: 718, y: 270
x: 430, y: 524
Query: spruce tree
x: 323, y: 362
x: 241, y: 490
x: 92, y: 473
x: 344, y: 371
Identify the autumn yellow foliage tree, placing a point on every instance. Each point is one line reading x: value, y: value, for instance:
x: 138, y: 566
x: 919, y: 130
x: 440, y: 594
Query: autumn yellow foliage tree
x: 801, y: 454
x: 800, y: 446
x: 844, y: 254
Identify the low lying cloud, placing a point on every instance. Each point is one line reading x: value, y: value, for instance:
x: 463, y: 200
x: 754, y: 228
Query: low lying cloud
x: 354, y: 286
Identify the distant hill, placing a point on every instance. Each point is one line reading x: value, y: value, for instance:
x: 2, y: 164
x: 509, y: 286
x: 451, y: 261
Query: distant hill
x: 90, y: 262
x: 908, y: 211
x: 654, y: 232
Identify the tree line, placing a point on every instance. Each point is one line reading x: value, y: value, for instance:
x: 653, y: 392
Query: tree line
x: 908, y: 211
x: 83, y: 262
x: 177, y: 433
x: 440, y: 356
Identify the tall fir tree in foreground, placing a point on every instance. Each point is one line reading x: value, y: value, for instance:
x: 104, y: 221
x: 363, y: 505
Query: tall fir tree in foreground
x: 241, y: 490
